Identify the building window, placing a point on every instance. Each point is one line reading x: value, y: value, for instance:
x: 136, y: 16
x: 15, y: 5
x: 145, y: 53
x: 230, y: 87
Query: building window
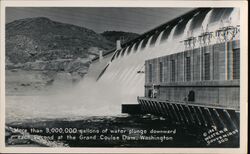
x: 150, y: 73
x: 150, y: 93
x: 207, y: 66
x: 236, y: 64
x: 191, y: 96
x: 172, y: 70
x: 188, y: 69
x: 161, y: 71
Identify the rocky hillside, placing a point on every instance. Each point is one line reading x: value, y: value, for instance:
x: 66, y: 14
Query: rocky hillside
x: 40, y: 38
x: 119, y: 35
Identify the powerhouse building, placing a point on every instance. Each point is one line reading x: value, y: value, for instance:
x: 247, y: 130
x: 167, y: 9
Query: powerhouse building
x: 207, y: 75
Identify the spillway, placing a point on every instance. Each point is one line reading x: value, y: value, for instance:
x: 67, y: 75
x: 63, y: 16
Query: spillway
x: 122, y: 69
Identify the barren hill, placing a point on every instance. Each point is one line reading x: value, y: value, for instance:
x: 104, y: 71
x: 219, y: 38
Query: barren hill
x: 43, y: 39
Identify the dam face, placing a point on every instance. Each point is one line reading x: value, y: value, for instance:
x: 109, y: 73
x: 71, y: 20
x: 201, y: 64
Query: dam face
x: 122, y: 71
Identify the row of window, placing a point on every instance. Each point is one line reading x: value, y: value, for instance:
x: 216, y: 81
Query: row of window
x: 205, y: 68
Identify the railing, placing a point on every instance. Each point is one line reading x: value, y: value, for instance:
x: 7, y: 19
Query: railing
x: 187, y: 103
x: 191, y: 113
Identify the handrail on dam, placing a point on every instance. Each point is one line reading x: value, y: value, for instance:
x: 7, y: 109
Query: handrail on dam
x: 187, y: 113
x: 187, y: 103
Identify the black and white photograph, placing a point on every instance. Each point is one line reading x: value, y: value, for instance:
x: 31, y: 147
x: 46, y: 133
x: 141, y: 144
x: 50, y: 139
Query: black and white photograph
x: 123, y: 77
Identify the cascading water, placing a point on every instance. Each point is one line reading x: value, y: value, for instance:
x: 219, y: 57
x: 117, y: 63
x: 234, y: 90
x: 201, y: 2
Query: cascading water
x: 187, y: 31
x: 206, y: 21
x: 149, y: 41
x: 171, y: 35
x: 133, y: 49
x: 235, y: 16
x: 158, y: 40
x: 139, y: 47
x: 169, y: 45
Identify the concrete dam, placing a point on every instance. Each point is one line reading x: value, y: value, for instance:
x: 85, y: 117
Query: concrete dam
x: 187, y: 70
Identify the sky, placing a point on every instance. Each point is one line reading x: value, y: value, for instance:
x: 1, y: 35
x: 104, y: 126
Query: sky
x: 137, y: 20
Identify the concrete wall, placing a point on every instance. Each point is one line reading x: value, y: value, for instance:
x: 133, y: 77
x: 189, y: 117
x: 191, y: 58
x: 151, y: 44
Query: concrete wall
x: 220, y: 90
